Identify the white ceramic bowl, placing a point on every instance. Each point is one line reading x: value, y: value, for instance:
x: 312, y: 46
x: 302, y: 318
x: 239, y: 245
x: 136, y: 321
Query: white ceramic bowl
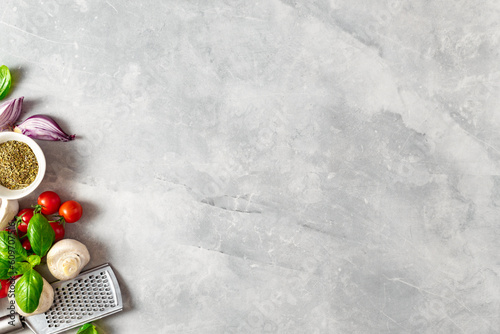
x: 6, y: 193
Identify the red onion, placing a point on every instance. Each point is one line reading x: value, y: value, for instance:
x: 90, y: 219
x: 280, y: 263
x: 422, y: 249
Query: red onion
x: 42, y: 127
x: 9, y: 112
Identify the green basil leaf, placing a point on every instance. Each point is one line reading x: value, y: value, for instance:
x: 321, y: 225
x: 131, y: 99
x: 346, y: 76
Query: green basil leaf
x: 11, y: 248
x: 5, y: 81
x: 5, y: 269
x: 28, y: 291
x: 34, y: 260
x: 19, y: 268
x: 87, y: 329
x: 21, y: 252
x: 4, y: 245
x: 40, y: 234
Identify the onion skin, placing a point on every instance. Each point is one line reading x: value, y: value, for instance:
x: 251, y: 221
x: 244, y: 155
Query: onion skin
x: 42, y: 127
x: 9, y: 112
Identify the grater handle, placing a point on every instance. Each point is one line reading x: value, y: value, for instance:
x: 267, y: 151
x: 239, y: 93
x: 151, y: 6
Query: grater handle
x: 10, y: 323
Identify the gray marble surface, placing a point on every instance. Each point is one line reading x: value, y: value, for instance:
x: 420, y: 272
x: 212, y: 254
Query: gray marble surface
x: 324, y: 166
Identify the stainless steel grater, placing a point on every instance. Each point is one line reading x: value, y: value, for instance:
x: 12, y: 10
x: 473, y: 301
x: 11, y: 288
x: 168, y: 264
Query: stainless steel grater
x: 91, y: 295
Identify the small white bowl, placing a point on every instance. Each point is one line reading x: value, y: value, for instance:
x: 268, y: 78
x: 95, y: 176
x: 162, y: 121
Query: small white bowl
x: 6, y: 193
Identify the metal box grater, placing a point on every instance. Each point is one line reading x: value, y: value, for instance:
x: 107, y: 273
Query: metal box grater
x: 91, y: 295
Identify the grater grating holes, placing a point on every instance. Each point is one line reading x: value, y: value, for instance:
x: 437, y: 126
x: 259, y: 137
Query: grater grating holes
x: 79, y: 299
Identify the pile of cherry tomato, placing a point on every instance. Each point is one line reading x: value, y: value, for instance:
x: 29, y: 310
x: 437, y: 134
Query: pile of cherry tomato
x: 49, y: 204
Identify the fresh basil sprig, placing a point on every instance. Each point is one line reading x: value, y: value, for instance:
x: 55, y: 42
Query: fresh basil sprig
x: 5, y: 81
x: 14, y: 260
x: 28, y: 291
x: 40, y: 234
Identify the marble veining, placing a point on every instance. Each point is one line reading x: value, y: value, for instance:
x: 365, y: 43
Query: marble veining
x: 326, y: 166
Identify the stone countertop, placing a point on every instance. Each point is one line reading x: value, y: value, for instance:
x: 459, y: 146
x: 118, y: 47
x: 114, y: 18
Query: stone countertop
x: 275, y: 167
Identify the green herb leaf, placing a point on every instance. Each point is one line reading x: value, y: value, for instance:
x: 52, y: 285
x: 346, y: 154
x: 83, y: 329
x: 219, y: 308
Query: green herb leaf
x: 87, y: 329
x: 11, y: 248
x: 28, y: 291
x: 19, y: 268
x: 5, y: 269
x: 5, y: 81
x: 34, y: 260
x: 40, y: 234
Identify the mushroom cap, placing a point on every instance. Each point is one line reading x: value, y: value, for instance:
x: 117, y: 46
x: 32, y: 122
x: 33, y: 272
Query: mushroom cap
x: 67, y: 258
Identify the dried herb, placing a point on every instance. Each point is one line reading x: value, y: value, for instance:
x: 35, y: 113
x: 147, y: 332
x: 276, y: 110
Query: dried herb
x: 18, y: 165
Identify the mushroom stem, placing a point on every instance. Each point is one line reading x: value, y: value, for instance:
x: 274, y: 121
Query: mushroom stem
x: 8, y: 210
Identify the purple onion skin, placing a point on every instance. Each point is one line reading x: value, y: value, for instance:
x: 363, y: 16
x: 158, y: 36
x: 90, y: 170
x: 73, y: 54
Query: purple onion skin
x: 9, y: 112
x: 42, y: 127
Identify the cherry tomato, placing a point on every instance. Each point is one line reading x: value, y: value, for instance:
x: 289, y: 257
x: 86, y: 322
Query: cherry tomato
x: 59, y: 230
x: 50, y: 202
x: 25, y: 215
x: 4, y: 290
x: 26, y: 244
x: 71, y: 211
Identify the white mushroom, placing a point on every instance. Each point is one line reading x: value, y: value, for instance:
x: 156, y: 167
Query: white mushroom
x: 8, y: 210
x: 44, y: 303
x: 67, y: 258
